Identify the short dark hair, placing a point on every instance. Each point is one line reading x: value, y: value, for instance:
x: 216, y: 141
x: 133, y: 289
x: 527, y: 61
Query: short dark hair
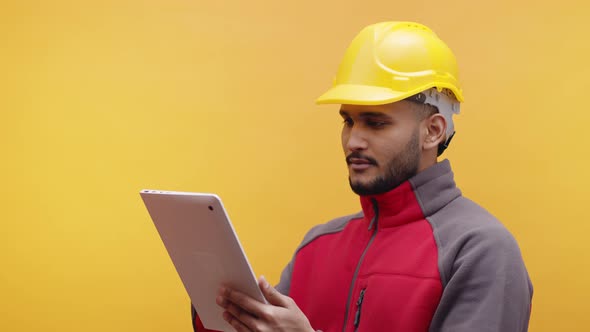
x: 424, y: 111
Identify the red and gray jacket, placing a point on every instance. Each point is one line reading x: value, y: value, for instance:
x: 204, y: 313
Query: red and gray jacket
x: 418, y: 258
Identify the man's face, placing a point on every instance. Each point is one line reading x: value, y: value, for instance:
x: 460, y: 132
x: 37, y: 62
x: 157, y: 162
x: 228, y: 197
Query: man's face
x: 381, y: 144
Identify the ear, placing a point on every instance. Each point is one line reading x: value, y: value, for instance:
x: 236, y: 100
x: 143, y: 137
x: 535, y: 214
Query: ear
x: 435, y: 128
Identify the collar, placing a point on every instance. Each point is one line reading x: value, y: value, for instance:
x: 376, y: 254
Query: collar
x: 414, y: 199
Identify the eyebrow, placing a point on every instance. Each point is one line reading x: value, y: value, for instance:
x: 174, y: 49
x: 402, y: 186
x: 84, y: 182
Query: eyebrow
x: 367, y: 114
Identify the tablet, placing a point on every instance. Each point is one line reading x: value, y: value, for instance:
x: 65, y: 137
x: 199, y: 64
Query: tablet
x: 204, y: 248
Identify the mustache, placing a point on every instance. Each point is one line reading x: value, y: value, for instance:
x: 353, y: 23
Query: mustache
x: 358, y: 155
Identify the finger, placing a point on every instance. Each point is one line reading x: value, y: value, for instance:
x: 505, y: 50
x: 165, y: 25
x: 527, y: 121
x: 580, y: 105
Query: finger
x: 243, y: 301
x: 222, y: 302
x: 235, y: 323
x: 243, y: 316
x: 272, y: 295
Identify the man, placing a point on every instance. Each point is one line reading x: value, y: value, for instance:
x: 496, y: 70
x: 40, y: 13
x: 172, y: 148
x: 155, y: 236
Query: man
x: 419, y: 256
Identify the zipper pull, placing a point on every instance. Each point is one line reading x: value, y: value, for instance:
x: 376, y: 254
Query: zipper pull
x: 359, y: 304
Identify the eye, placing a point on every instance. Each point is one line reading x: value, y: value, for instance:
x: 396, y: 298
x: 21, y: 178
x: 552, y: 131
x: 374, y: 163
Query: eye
x: 376, y: 124
x: 348, y: 122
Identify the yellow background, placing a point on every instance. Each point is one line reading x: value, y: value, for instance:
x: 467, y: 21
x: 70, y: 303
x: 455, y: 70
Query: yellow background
x: 100, y: 99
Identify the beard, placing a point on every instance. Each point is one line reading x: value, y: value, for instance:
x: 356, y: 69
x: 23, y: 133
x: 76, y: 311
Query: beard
x: 399, y: 169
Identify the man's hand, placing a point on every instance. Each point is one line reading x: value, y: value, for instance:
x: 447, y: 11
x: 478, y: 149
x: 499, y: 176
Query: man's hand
x: 247, y: 314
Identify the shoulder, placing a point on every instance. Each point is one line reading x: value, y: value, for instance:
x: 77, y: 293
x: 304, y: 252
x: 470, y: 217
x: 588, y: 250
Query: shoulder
x: 467, y: 235
x: 465, y: 219
x: 333, y: 226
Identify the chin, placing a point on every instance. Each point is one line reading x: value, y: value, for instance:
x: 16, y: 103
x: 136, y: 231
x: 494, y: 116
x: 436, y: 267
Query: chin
x: 358, y: 181
x: 362, y: 178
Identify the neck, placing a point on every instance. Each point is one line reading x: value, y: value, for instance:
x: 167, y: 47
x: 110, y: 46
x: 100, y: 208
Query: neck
x: 427, y: 160
x: 401, y: 205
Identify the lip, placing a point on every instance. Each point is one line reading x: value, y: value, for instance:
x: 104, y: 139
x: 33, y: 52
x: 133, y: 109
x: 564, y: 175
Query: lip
x: 359, y: 161
x: 359, y: 164
x: 359, y: 167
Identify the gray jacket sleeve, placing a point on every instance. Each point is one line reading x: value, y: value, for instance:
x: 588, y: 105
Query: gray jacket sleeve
x: 486, y: 285
x: 284, y: 284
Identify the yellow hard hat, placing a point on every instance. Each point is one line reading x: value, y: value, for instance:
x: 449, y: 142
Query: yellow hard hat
x: 390, y: 61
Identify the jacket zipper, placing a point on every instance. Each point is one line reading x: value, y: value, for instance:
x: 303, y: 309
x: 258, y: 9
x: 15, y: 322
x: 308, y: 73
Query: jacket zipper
x: 357, y: 315
x: 358, y: 265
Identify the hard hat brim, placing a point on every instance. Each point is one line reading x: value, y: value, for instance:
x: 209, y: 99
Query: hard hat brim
x: 355, y: 94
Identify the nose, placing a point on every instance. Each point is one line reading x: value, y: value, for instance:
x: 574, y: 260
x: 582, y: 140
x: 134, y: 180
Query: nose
x: 355, y: 140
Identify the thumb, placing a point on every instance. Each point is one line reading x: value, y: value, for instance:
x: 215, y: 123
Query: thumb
x: 271, y: 294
